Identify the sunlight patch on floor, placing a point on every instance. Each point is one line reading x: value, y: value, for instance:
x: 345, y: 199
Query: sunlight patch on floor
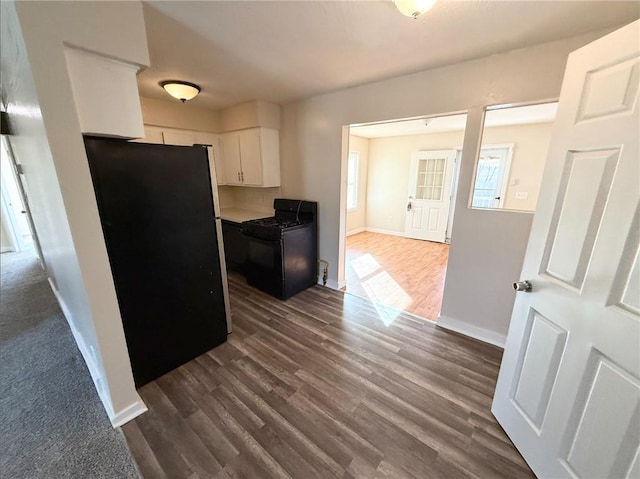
x: 387, y: 295
x: 365, y: 265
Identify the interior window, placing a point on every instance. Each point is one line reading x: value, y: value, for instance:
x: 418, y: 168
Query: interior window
x: 352, y: 180
x: 512, y: 156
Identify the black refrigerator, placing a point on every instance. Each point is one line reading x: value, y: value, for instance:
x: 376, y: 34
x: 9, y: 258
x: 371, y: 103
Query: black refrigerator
x: 161, y: 224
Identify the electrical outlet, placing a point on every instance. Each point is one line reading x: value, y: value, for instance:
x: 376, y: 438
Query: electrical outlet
x: 522, y: 195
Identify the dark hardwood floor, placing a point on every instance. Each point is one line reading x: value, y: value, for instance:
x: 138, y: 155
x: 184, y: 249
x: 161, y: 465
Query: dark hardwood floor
x: 319, y: 387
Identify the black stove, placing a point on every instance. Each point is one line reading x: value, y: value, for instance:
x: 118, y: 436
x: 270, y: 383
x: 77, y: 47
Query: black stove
x: 283, y: 249
x: 272, y: 227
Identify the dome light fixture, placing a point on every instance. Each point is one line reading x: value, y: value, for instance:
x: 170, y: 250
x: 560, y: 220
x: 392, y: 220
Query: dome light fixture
x: 181, y: 90
x: 413, y: 8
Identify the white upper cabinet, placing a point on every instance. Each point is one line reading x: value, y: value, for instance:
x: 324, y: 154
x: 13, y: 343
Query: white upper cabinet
x: 230, y: 146
x: 152, y: 134
x: 202, y: 138
x: 180, y: 138
x: 252, y: 157
x: 173, y: 136
x: 248, y: 157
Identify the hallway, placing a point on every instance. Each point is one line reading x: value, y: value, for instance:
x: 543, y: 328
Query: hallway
x: 52, y: 421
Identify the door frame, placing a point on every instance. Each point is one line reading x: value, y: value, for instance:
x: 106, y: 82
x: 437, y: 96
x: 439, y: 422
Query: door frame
x: 344, y: 159
x: 16, y: 172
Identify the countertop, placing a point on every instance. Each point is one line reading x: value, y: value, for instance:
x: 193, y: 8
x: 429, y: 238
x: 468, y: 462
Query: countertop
x: 238, y: 215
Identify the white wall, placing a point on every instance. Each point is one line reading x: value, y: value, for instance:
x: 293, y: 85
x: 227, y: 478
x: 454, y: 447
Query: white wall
x: 47, y: 141
x: 356, y: 218
x: 531, y: 143
x: 249, y: 115
x: 389, y: 162
x: 390, y: 159
x: 175, y: 114
x: 477, y: 291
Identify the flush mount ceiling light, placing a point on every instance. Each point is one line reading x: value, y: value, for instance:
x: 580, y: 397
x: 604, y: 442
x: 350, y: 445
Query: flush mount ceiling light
x: 181, y: 90
x: 413, y: 8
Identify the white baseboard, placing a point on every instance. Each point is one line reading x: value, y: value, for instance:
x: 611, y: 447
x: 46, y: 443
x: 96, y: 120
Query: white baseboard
x: 128, y: 413
x: 117, y: 418
x: 472, y: 331
x: 6, y: 249
x: 385, y: 232
x: 334, y: 284
x: 356, y: 231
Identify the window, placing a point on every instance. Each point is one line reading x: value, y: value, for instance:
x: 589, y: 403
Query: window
x: 352, y: 180
x: 491, y: 174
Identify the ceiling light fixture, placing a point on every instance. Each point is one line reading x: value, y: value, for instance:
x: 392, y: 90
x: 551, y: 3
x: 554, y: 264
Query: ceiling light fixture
x: 413, y: 8
x: 181, y: 90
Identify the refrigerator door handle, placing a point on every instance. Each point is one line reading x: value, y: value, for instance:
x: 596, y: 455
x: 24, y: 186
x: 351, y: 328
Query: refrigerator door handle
x: 223, y: 272
x: 214, y: 181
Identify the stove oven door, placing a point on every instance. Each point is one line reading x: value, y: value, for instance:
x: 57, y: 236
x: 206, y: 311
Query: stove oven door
x: 264, y: 265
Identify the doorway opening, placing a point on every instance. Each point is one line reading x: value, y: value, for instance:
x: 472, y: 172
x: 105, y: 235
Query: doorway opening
x: 400, y: 191
x: 16, y: 234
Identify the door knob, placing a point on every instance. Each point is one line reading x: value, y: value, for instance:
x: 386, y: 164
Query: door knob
x: 522, y: 286
x: 409, y: 206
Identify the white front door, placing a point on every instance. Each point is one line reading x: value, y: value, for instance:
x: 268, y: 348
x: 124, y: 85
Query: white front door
x: 490, y: 185
x: 568, y: 393
x: 429, y: 194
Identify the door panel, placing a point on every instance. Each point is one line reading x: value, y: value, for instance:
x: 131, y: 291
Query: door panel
x: 429, y: 195
x: 231, y: 154
x: 538, y: 367
x: 606, y: 421
x: 568, y: 393
x: 251, y: 157
x: 579, y: 208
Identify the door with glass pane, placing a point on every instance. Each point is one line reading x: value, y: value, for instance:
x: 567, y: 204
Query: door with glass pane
x: 491, y: 177
x: 429, y: 194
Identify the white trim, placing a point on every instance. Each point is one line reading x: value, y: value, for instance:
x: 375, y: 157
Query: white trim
x: 117, y: 418
x: 356, y: 231
x: 6, y: 249
x: 385, y: 232
x: 130, y: 412
x: 472, y: 331
x: 333, y: 284
x: 356, y: 181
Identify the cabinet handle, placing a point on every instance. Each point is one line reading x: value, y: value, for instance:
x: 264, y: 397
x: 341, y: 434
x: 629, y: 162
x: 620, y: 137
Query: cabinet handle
x: 242, y: 176
x: 238, y: 176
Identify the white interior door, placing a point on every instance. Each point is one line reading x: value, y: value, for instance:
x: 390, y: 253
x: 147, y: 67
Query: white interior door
x: 568, y: 393
x: 429, y: 194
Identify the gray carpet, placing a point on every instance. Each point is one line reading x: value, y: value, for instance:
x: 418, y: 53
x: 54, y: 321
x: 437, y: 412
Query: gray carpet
x: 52, y: 423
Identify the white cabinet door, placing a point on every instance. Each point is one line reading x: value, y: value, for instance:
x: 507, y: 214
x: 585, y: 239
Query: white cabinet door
x: 568, y: 393
x: 231, y: 154
x: 250, y: 157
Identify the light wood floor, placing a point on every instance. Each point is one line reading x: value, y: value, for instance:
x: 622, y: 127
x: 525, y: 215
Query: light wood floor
x: 319, y: 387
x: 410, y: 273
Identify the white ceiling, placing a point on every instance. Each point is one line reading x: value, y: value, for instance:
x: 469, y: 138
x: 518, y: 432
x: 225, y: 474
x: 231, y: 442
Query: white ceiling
x: 520, y: 115
x: 283, y: 50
